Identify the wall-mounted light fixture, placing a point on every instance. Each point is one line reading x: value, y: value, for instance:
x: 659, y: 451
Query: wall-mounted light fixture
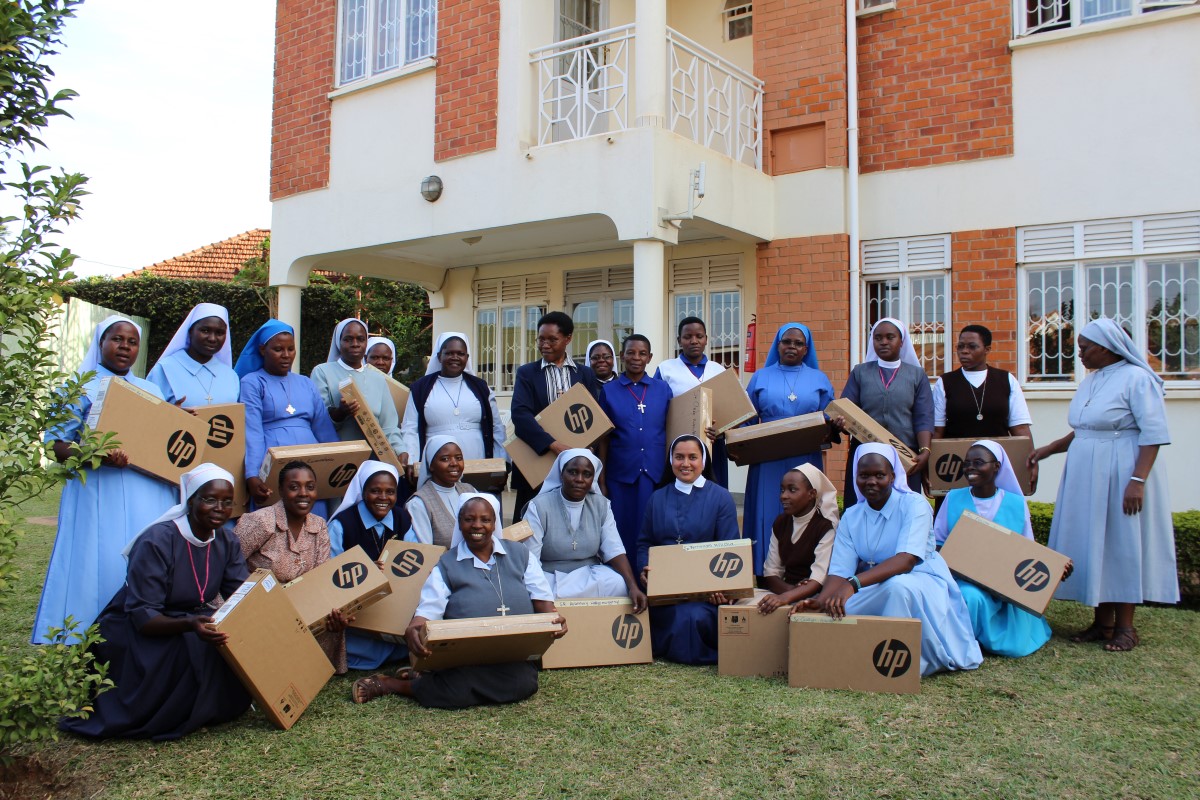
x: 431, y: 188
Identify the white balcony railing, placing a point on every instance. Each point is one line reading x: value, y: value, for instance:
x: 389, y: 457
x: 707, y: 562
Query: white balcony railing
x: 585, y: 88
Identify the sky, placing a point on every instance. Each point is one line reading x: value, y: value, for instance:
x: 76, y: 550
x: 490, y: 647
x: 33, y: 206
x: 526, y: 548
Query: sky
x: 172, y: 126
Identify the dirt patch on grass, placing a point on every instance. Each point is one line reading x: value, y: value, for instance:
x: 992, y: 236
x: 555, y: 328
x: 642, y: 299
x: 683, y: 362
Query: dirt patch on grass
x: 29, y: 778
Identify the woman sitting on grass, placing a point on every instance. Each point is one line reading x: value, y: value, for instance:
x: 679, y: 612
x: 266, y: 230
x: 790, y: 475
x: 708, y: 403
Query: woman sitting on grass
x: 884, y: 564
x: 481, y: 575
x: 801, y: 542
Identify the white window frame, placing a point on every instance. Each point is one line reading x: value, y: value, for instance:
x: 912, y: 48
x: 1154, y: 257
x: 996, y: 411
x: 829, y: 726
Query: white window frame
x: 603, y: 286
x: 1135, y: 242
x: 1063, y: 14
x: 734, y: 13
x: 527, y: 296
x: 908, y: 260
x: 705, y: 278
x: 405, y: 10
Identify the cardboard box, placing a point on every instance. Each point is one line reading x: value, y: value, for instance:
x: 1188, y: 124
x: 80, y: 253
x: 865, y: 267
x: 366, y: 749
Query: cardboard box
x: 783, y: 438
x: 866, y: 654
x: 225, y: 446
x: 860, y: 425
x: 370, y: 427
x: 601, y: 632
x: 517, y: 532
x: 160, y: 439
x: 398, y: 391
x: 731, y: 405
x: 575, y: 419
x: 350, y: 582
x: 683, y: 572
x: 406, y: 566
x: 752, y: 644
x: 486, y: 640
x: 485, y: 474
x: 946, y: 456
x: 271, y: 650
x: 690, y: 414
x: 1007, y: 564
x: 334, y: 464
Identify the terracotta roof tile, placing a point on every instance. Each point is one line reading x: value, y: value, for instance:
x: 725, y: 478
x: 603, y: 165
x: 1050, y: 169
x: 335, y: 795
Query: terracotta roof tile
x: 217, y: 262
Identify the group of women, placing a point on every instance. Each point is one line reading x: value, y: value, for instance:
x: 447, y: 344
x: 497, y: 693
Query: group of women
x: 595, y: 517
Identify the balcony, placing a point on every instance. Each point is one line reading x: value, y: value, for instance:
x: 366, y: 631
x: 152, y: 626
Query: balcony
x: 587, y: 87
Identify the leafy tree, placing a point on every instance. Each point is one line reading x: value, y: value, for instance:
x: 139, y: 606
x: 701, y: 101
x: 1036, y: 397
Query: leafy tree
x: 40, y: 685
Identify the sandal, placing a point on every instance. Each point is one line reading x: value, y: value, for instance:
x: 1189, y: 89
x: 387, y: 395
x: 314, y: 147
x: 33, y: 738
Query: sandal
x: 367, y: 689
x: 1096, y: 633
x: 1123, y: 640
x: 407, y: 674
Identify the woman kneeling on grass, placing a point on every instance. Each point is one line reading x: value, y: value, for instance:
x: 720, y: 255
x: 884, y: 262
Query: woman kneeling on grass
x: 477, y: 577
x: 797, y: 560
x: 884, y: 564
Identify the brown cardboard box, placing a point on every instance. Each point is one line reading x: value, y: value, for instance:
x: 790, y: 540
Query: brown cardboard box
x: 601, y: 632
x: 517, y: 532
x: 350, y: 582
x: 860, y: 425
x: 370, y: 427
x: 160, y: 439
x: 731, y: 405
x: 690, y: 413
x: 866, y: 654
x: 271, y: 650
x: 486, y: 640
x: 683, y: 572
x: 946, y: 457
x: 783, y: 438
x: 1005, y: 563
x: 485, y: 474
x: 398, y: 391
x: 406, y: 566
x: 752, y: 644
x: 225, y: 446
x: 575, y: 419
x: 335, y: 465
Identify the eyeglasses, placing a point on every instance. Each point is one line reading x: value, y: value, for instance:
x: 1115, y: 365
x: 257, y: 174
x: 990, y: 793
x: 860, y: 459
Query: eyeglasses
x: 978, y: 462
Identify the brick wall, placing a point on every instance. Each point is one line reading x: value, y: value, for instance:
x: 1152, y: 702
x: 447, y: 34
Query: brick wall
x: 467, y: 94
x: 799, y: 52
x: 305, y: 33
x: 984, y: 289
x: 935, y: 84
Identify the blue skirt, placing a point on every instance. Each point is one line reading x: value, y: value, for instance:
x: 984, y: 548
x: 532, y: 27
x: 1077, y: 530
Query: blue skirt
x: 1002, y: 628
x: 685, y: 633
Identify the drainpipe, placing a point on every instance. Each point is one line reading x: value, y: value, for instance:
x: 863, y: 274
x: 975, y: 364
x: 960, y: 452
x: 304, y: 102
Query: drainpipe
x: 852, y: 178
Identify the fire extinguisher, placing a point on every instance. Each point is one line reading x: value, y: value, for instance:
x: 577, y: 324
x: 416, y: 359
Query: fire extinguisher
x: 751, y: 362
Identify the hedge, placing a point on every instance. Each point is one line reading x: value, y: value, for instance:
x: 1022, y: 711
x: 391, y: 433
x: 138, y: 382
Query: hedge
x: 401, y: 310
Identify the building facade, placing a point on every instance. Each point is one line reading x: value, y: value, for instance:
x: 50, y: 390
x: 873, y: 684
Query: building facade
x: 1025, y: 165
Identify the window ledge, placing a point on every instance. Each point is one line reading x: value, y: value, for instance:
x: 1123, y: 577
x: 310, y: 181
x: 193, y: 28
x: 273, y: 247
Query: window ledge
x: 415, y: 67
x: 1099, y: 28
x: 873, y: 10
x: 1189, y: 391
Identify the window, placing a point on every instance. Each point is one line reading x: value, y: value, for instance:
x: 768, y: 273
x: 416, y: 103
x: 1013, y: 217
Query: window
x: 506, y: 314
x: 909, y: 280
x: 600, y: 302
x: 710, y: 288
x: 1048, y: 15
x: 380, y: 35
x: 739, y: 19
x: 1143, y: 272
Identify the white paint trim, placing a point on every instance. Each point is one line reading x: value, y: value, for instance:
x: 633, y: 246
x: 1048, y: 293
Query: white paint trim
x: 871, y: 11
x: 418, y: 66
x: 1098, y: 28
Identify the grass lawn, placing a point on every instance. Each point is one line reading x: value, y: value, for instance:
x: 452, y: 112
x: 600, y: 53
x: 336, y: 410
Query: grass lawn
x: 1070, y: 721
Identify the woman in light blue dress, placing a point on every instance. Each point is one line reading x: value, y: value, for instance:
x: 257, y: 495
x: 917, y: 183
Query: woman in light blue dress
x: 1001, y: 628
x: 789, y: 384
x: 282, y: 408
x: 347, y: 361
x: 1113, y: 514
x: 97, y: 518
x: 197, y: 366
x: 884, y: 564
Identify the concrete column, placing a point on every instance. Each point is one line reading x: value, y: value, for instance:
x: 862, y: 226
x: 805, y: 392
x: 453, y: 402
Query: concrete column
x: 650, y: 317
x: 289, y: 310
x: 650, y: 52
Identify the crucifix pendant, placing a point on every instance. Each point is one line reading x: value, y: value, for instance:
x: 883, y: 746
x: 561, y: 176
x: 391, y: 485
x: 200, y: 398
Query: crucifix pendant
x: 209, y: 399
x: 792, y: 397
x: 678, y: 540
x: 574, y: 545
x: 503, y: 609
x: 642, y: 407
x: 456, y: 412
x: 290, y: 409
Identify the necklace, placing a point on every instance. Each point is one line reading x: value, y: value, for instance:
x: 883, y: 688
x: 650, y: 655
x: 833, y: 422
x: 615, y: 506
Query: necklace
x: 454, y: 401
x: 887, y: 382
x: 283, y: 380
x: 196, y: 575
x: 792, y: 387
x: 979, y: 402
x: 641, y: 401
x: 1095, y: 385
x: 502, y: 608
x: 207, y: 389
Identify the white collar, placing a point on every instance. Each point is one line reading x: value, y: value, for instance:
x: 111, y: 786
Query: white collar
x: 889, y: 364
x: 800, y: 523
x: 349, y: 368
x: 185, y: 528
x: 686, y: 488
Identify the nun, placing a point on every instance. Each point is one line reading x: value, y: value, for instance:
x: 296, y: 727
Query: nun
x: 381, y: 354
x: 433, y: 506
x: 347, y: 361
x: 601, y: 357
x: 797, y: 561
x: 196, y: 369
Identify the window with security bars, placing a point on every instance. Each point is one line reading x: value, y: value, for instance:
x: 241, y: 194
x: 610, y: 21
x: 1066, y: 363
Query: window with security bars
x: 376, y: 36
x: 909, y: 280
x: 1143, y: 272
x: 600, y: 302
x: 506, y: 314
x: 711, y: 289
x: 739, y: 19
x: 1035, y: 16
